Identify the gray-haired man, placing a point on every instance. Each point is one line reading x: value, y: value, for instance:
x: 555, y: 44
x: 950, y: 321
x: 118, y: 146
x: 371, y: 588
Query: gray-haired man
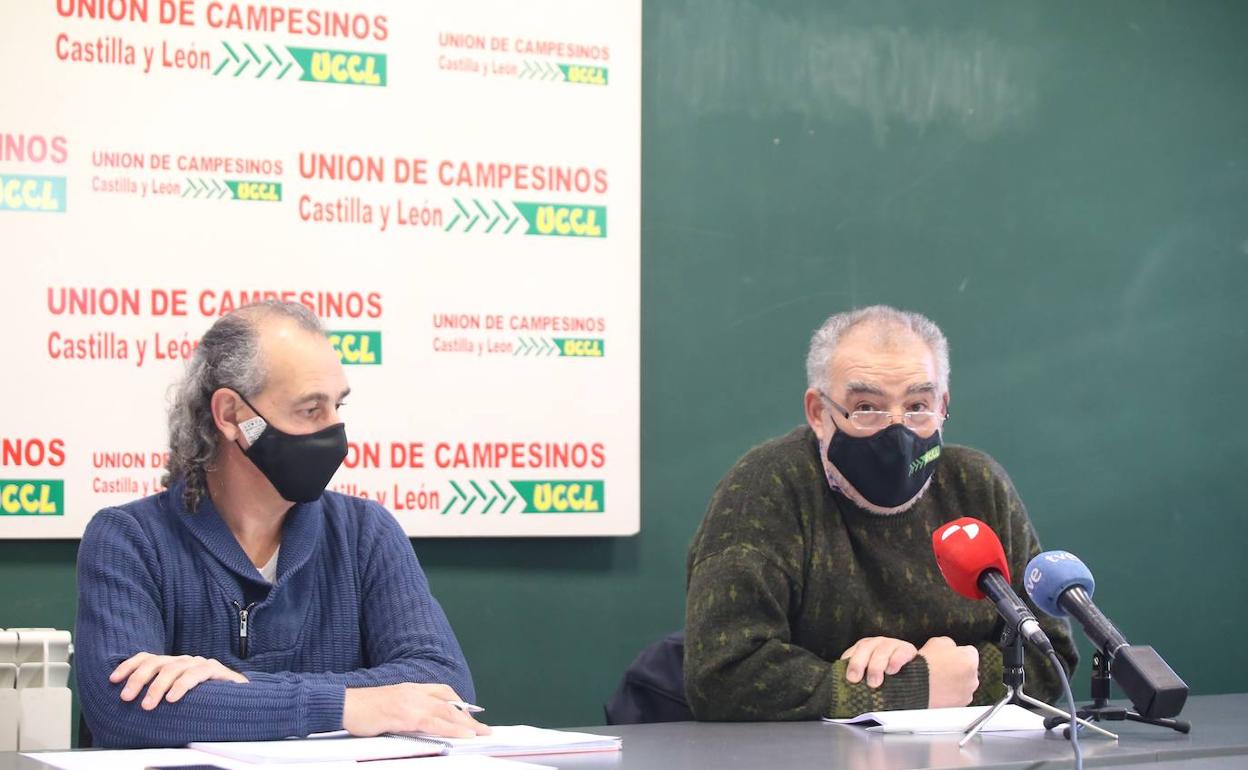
x: 813, y: 590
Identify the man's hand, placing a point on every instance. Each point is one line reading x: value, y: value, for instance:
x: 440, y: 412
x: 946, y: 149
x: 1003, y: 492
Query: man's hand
x: 952, y: 672
x: 407, y: 707
x: 167, y: 676
x: 876, y: 656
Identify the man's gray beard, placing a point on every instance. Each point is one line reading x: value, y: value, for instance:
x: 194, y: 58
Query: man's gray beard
x: 837, y: 481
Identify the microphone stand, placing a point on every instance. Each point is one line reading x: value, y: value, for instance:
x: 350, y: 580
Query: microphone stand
x: 1101, y: 710
x: 1012, y: 675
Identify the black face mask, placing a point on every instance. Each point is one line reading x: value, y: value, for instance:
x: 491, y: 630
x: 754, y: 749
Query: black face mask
x: 888, y: 468
x: 298, y: 466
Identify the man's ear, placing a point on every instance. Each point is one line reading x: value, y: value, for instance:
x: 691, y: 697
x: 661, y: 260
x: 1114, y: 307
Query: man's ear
x: 227, y: 412
x: 944, y: 404
x: 814, y: 411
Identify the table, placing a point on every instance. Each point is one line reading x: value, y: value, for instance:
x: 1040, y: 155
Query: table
x: 1218, y: 741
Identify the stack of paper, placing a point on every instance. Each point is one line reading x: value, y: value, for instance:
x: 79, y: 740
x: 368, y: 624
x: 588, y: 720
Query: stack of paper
x: 951, y: 720
x: 515, y: 740
x: 511, y: 740
x: 326, y: 747
x: 132, y: 759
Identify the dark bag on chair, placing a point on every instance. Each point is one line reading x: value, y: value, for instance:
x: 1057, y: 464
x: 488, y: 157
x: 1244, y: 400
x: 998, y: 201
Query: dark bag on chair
x: 653, y: 687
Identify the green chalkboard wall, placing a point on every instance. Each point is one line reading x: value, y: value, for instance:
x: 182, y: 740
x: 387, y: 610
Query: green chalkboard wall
x: 1062, y: 185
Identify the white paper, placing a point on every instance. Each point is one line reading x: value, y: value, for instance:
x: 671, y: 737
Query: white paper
x: 466, y: 762
x: 523, y: 739
x: 134, y: 759
x: 950, y: 720
x: 326, y: 747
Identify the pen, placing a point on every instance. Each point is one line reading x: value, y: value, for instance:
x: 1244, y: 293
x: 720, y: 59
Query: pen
x: 463, y: 706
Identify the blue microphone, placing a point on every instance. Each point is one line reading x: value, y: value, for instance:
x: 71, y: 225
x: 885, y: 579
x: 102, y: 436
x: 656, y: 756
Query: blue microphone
x: 1061, y: 585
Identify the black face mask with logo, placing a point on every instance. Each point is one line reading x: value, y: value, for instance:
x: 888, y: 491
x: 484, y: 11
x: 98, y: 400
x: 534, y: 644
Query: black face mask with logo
x: 298, y: 466
x: 887, y: 468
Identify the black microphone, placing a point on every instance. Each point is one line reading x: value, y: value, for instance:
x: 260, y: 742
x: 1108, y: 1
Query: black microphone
x: 1062, y: 586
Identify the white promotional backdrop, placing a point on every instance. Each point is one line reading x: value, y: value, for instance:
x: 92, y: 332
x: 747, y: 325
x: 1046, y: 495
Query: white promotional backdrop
x: 453, y: 187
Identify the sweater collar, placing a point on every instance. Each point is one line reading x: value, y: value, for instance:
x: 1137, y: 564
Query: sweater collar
x: 301, y: 533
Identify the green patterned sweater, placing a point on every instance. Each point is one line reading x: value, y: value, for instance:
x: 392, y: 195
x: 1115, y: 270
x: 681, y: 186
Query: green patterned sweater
x: 785, y: 574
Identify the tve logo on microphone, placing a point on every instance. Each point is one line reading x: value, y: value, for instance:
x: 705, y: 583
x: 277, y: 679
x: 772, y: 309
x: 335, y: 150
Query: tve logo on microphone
x: 1036, y: 574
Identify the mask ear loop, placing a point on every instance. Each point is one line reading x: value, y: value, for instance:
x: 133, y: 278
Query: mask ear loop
x: 827, y: 465
x: 825, y: 447
x: 252, y: 427
x: 830, y: 407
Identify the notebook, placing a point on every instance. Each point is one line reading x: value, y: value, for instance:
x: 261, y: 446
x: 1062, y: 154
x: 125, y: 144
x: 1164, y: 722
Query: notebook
x: 513, y: 740
x: 950, y: 720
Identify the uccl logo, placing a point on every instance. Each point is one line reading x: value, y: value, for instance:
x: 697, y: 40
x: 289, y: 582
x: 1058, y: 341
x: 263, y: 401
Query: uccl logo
x: 581, y: 348
x: 561, y: 496
x: 356, y: 347
x: 244, y: 190
x: 20, y: 192
x: 322, y: 65
x: 577, y: 73
x: 45, y: 497
x: 564, y: 219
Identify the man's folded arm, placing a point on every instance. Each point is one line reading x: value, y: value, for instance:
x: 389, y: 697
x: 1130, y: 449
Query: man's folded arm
x: 740, y: 664
x: 406, y: 635
x: 119, y: 616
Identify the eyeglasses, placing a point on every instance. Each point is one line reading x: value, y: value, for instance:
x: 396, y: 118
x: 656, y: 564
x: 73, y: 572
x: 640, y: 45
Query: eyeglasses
x: 873, y: 419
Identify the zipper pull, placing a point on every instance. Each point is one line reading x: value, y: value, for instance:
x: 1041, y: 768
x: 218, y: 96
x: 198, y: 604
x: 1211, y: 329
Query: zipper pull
x: 243, y: 612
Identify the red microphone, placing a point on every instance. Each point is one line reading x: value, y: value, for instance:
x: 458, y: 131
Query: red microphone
x: 970, y: 557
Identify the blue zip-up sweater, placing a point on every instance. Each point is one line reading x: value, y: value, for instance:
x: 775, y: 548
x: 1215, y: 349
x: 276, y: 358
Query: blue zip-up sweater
x: 351, y: 608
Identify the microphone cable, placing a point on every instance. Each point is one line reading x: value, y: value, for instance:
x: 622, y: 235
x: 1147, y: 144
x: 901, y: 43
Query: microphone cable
x: 1070, y: 701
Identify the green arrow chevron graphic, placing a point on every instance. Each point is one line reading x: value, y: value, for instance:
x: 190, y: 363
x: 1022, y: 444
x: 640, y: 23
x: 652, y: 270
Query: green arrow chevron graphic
x: 486, y: 218
x: 538, y: 70
x: 208, y: 189
x: 257, y: 61
x: 535, y: 346
x: 490, y: 495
